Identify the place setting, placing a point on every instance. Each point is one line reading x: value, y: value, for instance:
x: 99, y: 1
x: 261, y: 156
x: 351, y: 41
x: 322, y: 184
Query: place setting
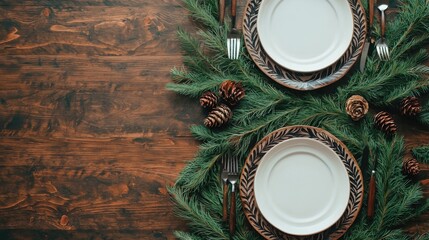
x: 304, y: 171
x: 298, y: 181
x: 304, y: 45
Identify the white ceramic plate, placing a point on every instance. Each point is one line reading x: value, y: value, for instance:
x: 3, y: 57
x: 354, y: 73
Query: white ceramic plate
x: 301, y: 186
x: 305, y: 35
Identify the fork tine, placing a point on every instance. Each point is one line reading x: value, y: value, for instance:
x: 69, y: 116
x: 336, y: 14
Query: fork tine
x: 237, y: 46
x: 382, y: 55
x: 379, y: 52
x: 235, y: 165
x: 386, y: 53
x: 234, y: 48
x: 228, y: 47
x: 224, y: 163
x: 229, y: 165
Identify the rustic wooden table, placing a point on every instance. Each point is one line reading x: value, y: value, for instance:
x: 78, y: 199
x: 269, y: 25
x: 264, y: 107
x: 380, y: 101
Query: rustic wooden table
x: 89, y: 136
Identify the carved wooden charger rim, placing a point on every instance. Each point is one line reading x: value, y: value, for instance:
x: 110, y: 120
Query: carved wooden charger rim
x: 250, y: 208
x: 298, y: 80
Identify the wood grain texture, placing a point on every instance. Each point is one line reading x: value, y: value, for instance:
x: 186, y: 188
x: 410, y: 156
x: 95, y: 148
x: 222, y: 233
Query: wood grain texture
x: 89, y: 136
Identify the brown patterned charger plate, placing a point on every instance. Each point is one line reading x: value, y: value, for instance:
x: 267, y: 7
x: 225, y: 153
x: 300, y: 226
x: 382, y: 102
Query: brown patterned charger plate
x: 254, y: 160
x: 300, y: 80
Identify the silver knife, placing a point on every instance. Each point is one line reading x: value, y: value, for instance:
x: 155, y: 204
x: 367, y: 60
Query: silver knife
x: 368, y: 39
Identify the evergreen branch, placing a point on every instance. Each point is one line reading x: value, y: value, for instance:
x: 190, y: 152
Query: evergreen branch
x: 266, y: 108
x: 424, y: 115
x: 186, y: 236
x: 195, y: 58
x: 199, y: 220
x: 197, y: 88
x: 423, y: 237
x: 421, y: 154
x: 414, y: 15
x: 203, y: 14
x: 202, y: 133
x: 199, y: 169
x: 257, y: 105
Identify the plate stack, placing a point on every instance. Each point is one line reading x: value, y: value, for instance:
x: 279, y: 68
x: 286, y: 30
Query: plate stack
x: 301, y: 182
x: 304, y: 44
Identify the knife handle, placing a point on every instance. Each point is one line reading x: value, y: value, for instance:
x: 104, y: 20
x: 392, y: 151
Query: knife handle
x: 221, y: 11
x: 371, y: 196
x: 225, y: 202
x: 371, y: 13
x: 233, y: 12
x: 232, y: 214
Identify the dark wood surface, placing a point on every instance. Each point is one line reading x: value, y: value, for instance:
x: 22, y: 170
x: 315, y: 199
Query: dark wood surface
x: 89, y: 136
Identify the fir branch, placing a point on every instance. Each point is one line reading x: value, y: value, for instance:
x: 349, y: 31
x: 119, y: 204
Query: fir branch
x: 196, y: 88
x: 199, y: 220
x: 195, y: 58
x: 195, y: 174
x: 424, y: 115
x: 203, y: 13
x: 257, y: 105
x: 267, y: 108
x: 186, y: 236
x: 421, y: 154
x: 412, y: 21
x: 423, y: 237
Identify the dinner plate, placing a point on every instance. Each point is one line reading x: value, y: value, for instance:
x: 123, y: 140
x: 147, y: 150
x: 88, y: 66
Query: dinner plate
x: 272, y: 153
x: 301, y: 186
x: 305, y: 35
x: 303, y: 81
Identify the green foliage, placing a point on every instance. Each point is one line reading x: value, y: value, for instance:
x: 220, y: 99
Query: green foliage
x: 267, y: 107
x: 421, y: 154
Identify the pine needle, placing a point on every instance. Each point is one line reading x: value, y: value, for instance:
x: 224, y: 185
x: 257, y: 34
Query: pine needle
x: 267, y: 107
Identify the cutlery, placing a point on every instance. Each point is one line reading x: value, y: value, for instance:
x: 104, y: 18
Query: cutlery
x: 224, y: 177
x: 221, y: 11
x: 372, y: 192
x: 234, y: 37
x: 233, y: 172
x: 368, y: 40
x: 381, y: 44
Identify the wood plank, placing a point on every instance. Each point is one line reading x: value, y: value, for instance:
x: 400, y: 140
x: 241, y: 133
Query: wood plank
x: 107, y: 73
x: 71, y: 113
x: 23, y: 234
x: 116, y: 183
x: 93, y: 30
x: 156, y: 153
x: 78, y: 3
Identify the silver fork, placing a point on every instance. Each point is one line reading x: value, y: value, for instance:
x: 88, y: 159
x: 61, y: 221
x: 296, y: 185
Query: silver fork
x: 233, y: 173
x: 224, y: 177
x: 381, y: 44
x: 233, y: 42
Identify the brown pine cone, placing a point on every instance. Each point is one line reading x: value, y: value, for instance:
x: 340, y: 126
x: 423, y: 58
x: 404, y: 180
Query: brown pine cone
x: 209, y: 100
x: 357, y: 107
x: 384, y: 121
x: 410, y: 106
x: 218, y: 116
x: 410, y: 167
x: 231, y: 92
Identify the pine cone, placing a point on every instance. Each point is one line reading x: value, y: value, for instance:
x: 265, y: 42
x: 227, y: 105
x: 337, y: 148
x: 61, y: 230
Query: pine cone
x: 209, y: 100
x: 356, y: 107
x: 385, y: 122
x: 218, y: 116
x: 410, y: 167
x: 410, y: 106
x: 231, y: 92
